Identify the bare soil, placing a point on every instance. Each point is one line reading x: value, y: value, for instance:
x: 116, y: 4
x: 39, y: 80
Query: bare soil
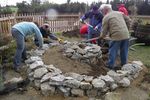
x: 55, y: 56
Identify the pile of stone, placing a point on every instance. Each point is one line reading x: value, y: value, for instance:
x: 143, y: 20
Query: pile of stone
x: 51, y: 80
x: 83, y: 52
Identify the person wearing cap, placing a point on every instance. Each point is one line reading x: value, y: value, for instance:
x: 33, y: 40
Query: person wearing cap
x: 20, y: 31
x: 95, y: 21
x: 115, y: 24
x: 44, y: 29
x: 122, y: 9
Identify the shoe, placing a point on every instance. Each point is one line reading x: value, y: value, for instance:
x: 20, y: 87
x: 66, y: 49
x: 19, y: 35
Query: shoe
x: 111, y: 68
x: 117, y: 68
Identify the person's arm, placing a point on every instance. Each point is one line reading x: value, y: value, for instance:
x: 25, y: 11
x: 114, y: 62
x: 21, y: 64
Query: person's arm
x: 105, y: 25
x: 127, y: 20
x: 53, y: 36
x: 84, y: 17
x: 39, y: 37
x: 99, y: 25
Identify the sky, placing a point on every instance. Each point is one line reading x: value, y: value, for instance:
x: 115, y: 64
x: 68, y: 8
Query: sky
x: 13, y: 2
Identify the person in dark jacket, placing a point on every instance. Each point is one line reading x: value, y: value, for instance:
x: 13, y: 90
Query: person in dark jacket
x: 95, y: 22
x: 47, y: 35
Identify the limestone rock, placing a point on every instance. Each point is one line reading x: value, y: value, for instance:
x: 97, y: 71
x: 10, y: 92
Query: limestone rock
x: 75, y: 76
x: 125, y: 82
x: 36, y: 64
x: 98, y: 83
x: 38, y: 73
x: 77, y: 92
x: 47, y: 89
x: 85, y: 85
x: 72, y: 83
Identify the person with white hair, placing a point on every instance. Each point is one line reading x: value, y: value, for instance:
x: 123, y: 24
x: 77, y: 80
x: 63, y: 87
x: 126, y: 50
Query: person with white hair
x: 115, y: 25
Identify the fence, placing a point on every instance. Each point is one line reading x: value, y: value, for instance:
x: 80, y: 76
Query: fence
x: 144, y: 19
x: 57, y: 23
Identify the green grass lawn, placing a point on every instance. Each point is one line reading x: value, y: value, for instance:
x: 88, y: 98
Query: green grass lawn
x: 141, y: 53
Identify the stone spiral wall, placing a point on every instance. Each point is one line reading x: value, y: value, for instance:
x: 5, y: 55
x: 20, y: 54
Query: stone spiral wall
x: 51, y: 80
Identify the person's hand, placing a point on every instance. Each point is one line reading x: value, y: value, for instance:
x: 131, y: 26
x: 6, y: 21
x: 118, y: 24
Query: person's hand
x: 82, y: 21
x: 107, y: 38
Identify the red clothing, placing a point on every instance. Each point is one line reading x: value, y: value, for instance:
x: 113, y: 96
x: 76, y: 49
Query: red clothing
x: 123, y: 9
x: 84, y: 29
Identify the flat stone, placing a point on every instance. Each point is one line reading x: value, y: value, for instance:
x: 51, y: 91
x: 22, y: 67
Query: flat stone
x: 65, y: 91
x: 37, y: 83
x: 75, y: 56
x: 45, y: 46
x: 15, y: 80
x: 69, y: 55
x: 55, y: 83
x: 38, y: 52
x: 33, y: 59
x: 98, y: 83
x: 113, y: 86
x: 53, y: 69
x: 38, y: 73
x: 75, y: 47
x: 58, y: 78
x: 36, y: 64
x: 81, y: 51
x: 69, y: 50
x: 77, y: 92
x: 138, y: 63
x: 46, y: 77
x: 132, y: 68
x: 85, y: 85
x: 109, y: 80
x: 125, y: 82
x: 75, y: 76
x: 88, y: 78
x: 47, y: 89
x: 72, y: 83
x: 116, y: 76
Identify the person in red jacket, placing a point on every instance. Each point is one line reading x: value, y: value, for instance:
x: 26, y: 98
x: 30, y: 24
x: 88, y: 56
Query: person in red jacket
x: 84, y: 32
x: 123, y: 9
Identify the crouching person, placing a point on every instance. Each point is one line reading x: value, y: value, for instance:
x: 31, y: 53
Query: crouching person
x: 47, y: 35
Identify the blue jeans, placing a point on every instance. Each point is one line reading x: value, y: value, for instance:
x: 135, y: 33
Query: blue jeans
x: 114, y: 47
x: 20, y: 51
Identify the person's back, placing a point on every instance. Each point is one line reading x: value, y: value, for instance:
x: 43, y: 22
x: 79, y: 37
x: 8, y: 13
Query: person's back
x: 29, y: 28
x: 20, y: 31
x: 118, y: 29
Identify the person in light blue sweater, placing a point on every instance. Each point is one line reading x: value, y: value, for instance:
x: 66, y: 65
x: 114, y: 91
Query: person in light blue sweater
x: 20, y: 31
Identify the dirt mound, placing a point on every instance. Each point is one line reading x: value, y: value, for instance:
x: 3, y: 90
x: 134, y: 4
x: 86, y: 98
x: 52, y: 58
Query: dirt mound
x: 55, y: 56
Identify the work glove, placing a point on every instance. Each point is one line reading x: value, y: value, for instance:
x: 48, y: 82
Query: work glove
x: 82, y: 21
x: 96, y: 28
x: 60, y: 40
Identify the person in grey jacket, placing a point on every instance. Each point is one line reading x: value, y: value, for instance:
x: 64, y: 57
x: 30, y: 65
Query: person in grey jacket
x: 115, y: 25
x: 20, y: 31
